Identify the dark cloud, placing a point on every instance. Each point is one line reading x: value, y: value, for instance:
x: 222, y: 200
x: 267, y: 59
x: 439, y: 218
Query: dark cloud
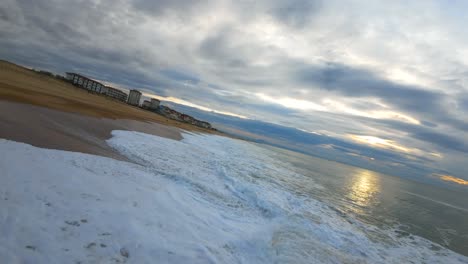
x: 180, y: 75
x: 428, y: 124
x: 462, y: 100
x: 222, y: 49
x: 356, y: 82
x: 296, y: 13
x: 183, y: 8
x: 443, y: 140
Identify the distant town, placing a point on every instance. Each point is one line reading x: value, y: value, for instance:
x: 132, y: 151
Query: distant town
x: 133, y: 98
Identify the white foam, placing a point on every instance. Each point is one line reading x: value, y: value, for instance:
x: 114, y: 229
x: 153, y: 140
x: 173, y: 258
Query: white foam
x: 205, y: 199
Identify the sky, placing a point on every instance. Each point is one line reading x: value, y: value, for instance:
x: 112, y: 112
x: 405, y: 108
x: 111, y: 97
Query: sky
x: 390, y: 75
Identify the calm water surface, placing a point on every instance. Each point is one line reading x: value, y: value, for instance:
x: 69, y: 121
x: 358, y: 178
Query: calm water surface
x: 437, y: 213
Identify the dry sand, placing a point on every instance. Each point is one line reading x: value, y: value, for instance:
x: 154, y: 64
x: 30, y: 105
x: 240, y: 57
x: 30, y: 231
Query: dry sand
x: 50, y: 113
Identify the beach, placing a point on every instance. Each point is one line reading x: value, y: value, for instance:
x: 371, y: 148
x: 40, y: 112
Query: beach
x: 48, y: 128
x: 46, y: 112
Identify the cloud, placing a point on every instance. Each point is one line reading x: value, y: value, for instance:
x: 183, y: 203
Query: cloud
x: 373, y: 69
x: 442, y: 140
x: 185, y: 8
x: 355, y: 82
x: 452, y: 179
x: 296, y: 13
x: 183, y: 76
x: 220, y: 48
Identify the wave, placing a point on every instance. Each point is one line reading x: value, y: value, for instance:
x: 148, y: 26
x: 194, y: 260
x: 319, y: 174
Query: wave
x: 238, y: 181
x: 204, y: 199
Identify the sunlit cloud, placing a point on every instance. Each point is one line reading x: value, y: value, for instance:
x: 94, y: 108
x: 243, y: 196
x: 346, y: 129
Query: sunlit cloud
x: 381, y: 143
x: 336, y: 106
x: 394, y: 146
x: 453, y: 179
x: 333, y: 106
x: 187, y: 103
x: 437, y: 155
x: 310, y: 132
x: 403, y: 76
x: 292, y: 103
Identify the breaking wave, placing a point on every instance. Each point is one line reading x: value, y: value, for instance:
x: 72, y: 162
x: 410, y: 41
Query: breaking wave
x: 240, y: 198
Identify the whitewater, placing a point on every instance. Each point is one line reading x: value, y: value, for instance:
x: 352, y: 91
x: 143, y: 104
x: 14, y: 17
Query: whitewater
x: 204, y: 199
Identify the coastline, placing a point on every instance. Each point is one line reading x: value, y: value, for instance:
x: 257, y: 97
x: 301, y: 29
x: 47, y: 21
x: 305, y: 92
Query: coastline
x: 49, y: 113
x: 48, y: 128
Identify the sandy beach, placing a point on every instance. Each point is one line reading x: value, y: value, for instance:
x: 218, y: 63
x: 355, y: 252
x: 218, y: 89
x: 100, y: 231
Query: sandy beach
x: 48, y: 128
x: 50, y: 113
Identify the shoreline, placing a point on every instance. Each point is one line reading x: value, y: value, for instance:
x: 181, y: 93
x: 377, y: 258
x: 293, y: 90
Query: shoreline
x: 22, y: 85
x: 50, y: 113
x: 52, y: 129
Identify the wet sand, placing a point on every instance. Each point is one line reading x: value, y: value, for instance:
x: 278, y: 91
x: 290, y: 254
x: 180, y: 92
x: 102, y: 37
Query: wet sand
x: 48, y: 128
x: 50, y: 113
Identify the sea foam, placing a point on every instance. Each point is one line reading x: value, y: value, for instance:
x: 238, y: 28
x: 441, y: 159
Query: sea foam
x: 237, y: 180
x: 204, y: 199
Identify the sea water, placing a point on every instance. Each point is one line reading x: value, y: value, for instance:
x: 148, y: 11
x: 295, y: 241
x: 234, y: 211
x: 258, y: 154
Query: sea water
x: 307, y: 209
x: 212, y: 199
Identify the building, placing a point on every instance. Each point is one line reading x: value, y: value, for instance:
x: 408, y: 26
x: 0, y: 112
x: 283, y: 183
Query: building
x: 187, y: 118
x: 95, y: 86
x: 173, y: 114
x: 114, y: 93
x: 146, y: 104
x: 84, y: 82
x: 134, y: 97
x: 154, y: 104
x: 205, y: 124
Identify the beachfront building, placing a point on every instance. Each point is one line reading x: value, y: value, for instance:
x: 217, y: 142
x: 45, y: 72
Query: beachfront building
x: 205, y: 124
x: 134, y: 97
x: 95, y: 86
x: 114, y: 93
x: 146, y: 104
x: 84, y: 82
x: 187, y: 118
x: 154, y: 104
x: 173, y: 114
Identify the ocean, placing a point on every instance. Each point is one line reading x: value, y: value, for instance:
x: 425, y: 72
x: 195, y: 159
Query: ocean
x: 438, y: 213
x: 212, y: 199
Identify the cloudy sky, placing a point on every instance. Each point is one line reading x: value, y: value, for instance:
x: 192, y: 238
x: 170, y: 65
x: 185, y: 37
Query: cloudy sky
x: 392, y: 75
